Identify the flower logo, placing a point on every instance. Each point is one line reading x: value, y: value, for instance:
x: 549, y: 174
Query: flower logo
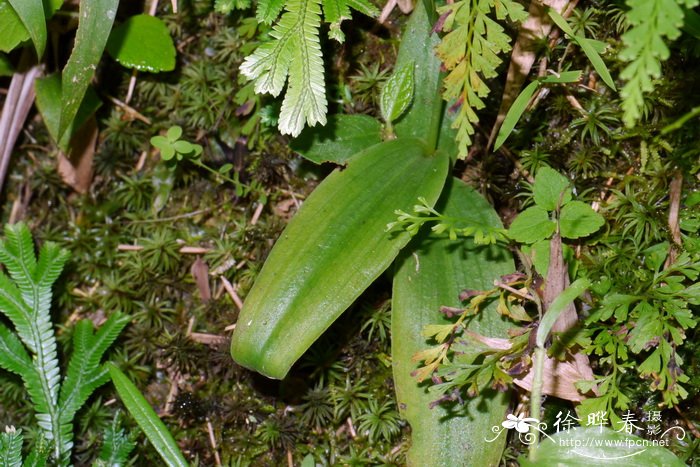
x: 521, y: 424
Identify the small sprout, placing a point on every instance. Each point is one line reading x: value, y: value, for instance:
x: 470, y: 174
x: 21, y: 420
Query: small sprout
x: 171, y: 146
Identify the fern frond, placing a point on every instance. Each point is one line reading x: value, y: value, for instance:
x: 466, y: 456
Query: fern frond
x: 471, y: 52
x: 39, y: 455
x: 294, y: 52
x: 653, y: 22
x: 26, y: 301
x: 85, y: 373
x: 11, y: 447
x: 336, y: 11
x: 116, y: 446
x: 268, y: 10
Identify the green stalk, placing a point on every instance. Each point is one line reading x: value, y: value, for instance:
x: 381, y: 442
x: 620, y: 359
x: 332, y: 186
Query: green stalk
x: 536, y: 397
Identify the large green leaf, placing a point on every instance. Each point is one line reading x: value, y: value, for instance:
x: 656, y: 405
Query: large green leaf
x: 31, y: 13
x: 96, y: 18
x: 49, y: 103
x: 418, y: 44
x: 431, y: 273
x: 341, y: 138
x: 144, y: 43
x: 334, y: 248
x: 12, y: 25
x: 600, y: 446
x: 12, y: 31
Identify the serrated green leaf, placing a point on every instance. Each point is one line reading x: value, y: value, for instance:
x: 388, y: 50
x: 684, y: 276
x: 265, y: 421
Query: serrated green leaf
x: 294, y: 53
x: 532, y: 225
x: 11, y: 447
x: 268, y: 10
x: 653, y: 22
x: 578, y: 219
x: 599, y: 446
x: 96, y: 18
x: 418, y: 44
x: 143, y: 42
x: 431, y: 272
x: 397, y: 93
x: 559, y: 305
x: 147, y: 419
x: 552, y: 189
x: 471, y: 53
x: 85, y: 372
x: 341, y: 138
x: 331, y: 251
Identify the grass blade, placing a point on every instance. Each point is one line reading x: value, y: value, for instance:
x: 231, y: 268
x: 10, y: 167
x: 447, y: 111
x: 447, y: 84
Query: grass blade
x: 152, y: 426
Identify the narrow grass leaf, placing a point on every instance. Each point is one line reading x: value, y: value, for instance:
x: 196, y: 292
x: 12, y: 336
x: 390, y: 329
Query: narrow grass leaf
x: 147, y: 419
x: 95, y: 23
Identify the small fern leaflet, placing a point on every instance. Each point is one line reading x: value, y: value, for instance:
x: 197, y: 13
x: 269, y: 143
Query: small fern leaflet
x: 652, y: 21
x: 470, y: 52
x: 11, y: 447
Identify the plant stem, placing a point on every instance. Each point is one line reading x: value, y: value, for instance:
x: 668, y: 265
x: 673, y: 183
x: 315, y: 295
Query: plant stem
x: 223, y: 177
x: 536, y: 397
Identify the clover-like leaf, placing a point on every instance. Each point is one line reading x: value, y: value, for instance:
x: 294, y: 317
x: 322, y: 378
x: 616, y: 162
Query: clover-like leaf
x: 552, y: 189
x: 174, y: 133
x: 577, y: 219
x: 532, y: 225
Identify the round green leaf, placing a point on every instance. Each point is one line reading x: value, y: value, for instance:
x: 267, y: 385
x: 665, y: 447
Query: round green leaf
x: 532, y: 225
x: 552, y: 189
x: 577, y: 219
x: 167, y: 153
x: 143, y: 42
x: 174, y: 133
x: 160, y: 142
x: 183, y: 147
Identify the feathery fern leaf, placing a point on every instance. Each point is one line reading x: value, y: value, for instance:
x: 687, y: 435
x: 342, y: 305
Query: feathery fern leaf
x: 652, y: 21
x: 294, y: 52
x: 293, y: 56
x: 26, y: 301
x: 39, y: 456
x: 116, y: 446
x: 470, y: 52
x: 11, y: 447
x: 268, y: 10
x: 85, y: 373
x: 335, y: 11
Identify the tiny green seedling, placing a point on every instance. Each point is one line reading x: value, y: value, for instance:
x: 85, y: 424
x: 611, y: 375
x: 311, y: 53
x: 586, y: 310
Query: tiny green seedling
x: 172, y: 147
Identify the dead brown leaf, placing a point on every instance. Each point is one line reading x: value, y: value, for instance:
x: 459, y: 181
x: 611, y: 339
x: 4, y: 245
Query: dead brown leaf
x: 558, y: 379
x: 200, y: 274
x: 75, y: 168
